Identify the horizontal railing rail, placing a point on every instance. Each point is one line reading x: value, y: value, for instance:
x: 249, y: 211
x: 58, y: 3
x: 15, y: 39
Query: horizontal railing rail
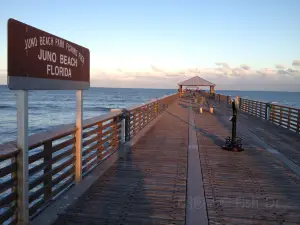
x: 52, y: 155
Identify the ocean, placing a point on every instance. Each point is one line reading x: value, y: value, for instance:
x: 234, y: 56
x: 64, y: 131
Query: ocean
x: 49, y: 109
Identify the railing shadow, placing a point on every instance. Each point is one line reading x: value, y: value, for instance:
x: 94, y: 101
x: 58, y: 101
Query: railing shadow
x: 213, y: 137
x: 272, y: 190
x: 116, y: 197
x: 262, y: 170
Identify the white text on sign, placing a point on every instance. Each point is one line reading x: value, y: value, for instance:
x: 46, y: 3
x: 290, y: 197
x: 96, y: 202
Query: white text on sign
x: 66, y: 62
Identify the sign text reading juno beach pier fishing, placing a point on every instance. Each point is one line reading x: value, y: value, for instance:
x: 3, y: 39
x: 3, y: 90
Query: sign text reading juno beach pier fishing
x: 38, y: 60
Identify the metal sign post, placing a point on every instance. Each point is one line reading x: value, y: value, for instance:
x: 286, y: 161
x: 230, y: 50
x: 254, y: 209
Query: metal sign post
x: 22, y: 157
x: 79, y: 116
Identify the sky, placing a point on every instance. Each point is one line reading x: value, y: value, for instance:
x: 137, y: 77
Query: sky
x: 237, y: 44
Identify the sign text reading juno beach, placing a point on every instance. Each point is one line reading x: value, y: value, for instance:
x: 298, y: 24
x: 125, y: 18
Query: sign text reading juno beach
x: 38, y: 60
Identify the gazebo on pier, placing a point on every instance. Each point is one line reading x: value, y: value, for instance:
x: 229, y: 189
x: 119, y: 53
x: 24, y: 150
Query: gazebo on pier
x: 197, y: 82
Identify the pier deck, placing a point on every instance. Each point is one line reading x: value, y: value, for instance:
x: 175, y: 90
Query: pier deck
x: 283, y: 140
x: 249, y: 187
x: 146, y: 186
x: 149, y: 184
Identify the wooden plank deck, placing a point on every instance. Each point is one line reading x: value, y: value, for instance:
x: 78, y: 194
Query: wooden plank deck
x: 250, y: 187
x: 147, y: 186
x: 283, y: 140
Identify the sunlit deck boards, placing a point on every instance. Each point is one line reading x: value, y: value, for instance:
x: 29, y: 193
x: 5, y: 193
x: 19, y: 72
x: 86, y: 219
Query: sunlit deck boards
x: 283, y: 140
x: 250, y: 187
x: 147, y: 186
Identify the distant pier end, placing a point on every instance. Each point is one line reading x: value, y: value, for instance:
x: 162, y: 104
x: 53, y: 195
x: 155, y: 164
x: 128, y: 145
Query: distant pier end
x: 197, y: 82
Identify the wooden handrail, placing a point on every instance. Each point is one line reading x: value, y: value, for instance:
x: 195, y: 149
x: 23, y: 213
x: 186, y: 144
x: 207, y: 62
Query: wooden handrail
x: 8, y: 150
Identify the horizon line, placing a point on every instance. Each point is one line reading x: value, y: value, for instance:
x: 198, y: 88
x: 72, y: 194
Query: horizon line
x: 216, y: 90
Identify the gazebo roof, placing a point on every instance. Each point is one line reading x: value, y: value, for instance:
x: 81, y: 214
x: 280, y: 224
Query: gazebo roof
x: 196, y: 81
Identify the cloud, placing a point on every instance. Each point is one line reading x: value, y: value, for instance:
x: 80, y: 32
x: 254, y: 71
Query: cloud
x: 287, y: 71
x: 279, y: 66
x: 296, y: 62
x: 3, y: 76
x: 245, y: 67
x: 225, y: 71
x: 156, y: 69
x: 239, y: 72
x: 292, y: 70
x: 221, y: 73
x: 193, y: 70
x: 172, y: 75
x: 283, y: 72
x: 3, y: 71
x: 223, y: 64
x: 266, y: 72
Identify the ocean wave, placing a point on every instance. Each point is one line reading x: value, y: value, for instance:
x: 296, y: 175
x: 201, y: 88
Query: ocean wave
x: 99, y: 108
x: 7, y: 107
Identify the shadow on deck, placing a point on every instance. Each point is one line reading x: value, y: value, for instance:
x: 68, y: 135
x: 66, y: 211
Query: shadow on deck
x: 250, y: 187
x: 148, y: 185
x: 145, y: 186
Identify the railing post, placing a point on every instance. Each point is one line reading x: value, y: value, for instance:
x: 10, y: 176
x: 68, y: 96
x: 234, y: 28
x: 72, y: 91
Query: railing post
x: 260, y: 110
x: 280, y: 116
x: 78, y: 164
x: 115, y: 135
x: 144, y: 116
x: 123, y: 127
x: 267, y: 111
x: 47, y: 170
x: 228, y: 98
x: 127, y: 125
x: 99, y: 134
x: 240, y: 103
x: 298, y: 122
x: 289, y: 119
x: 22, y: 158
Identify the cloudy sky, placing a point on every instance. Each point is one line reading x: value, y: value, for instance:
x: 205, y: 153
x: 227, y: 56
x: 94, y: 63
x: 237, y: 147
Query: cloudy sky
x: 237, y: 44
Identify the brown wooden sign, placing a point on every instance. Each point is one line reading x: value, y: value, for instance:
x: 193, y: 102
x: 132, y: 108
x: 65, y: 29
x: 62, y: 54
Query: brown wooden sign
x: 38, y: 60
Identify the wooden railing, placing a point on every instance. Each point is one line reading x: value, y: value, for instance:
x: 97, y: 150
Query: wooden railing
x: 280, y: 115
x: 221, y: 98
x: 255, y: 108
x: 8, y: 187
x: 286, y: 117
x: 52, y: 155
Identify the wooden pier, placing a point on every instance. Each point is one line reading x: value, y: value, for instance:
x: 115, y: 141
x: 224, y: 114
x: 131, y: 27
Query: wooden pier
x: 170, y: 169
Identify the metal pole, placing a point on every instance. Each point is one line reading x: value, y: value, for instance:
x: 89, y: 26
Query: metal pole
x: 22, y: 158
x: 234, y: 110
x: 234, y: 129
x: 79, y: 116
